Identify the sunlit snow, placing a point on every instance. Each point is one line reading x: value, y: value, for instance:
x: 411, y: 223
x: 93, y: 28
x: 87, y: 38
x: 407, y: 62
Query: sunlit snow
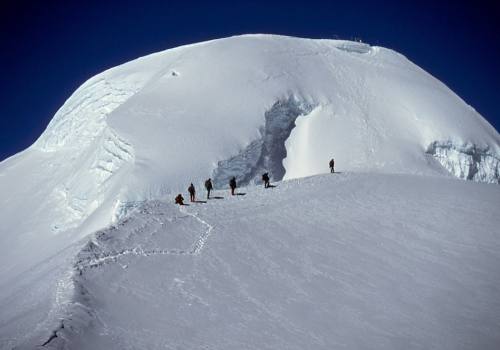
x: 360, y: 259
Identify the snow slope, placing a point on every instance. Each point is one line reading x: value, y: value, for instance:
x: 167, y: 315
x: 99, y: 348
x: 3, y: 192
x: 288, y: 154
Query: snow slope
x: 234, y: 106
x: 355, y: 261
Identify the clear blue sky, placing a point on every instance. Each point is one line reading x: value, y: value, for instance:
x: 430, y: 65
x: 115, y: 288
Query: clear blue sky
x: 49, y: 48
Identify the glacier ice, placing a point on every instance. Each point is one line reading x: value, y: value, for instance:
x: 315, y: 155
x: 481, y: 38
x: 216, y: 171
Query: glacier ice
x: 467, y: 161
x: 355, y: 47
x: 265, y: 154
x: 82, y: 118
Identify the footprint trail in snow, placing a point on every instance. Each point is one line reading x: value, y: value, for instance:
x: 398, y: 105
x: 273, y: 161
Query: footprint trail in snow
x: 148, y: 236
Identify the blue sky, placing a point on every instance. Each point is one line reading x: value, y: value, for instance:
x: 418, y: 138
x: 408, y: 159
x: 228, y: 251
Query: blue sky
x: 49, y: 48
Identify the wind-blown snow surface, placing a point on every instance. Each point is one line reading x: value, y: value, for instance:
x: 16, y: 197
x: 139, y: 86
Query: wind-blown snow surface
x: 234, y: 106
x: 355, y: 261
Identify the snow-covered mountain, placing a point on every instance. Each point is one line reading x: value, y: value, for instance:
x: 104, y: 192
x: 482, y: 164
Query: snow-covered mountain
x: 237, y: 106
x: 240, y: 105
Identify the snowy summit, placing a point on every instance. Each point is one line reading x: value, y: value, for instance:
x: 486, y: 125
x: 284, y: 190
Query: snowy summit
x: 394, y: 252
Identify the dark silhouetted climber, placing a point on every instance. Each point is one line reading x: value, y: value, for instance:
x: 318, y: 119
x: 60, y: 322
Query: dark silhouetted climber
x: 332, y: 166
x: 179, y: 199
x: 192, y: 192
x: 209, y: 187
x: 265, y: 178
x: 232, y: 184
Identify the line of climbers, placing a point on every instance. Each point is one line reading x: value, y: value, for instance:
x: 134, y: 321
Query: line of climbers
x: 209, y: 187
x: 232, y: 185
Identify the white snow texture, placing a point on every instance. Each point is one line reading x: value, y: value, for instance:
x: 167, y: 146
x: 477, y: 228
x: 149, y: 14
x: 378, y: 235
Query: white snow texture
x: 392, y: 253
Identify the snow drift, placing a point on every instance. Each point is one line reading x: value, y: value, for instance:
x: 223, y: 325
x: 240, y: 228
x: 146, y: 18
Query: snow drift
x: 235, y: 106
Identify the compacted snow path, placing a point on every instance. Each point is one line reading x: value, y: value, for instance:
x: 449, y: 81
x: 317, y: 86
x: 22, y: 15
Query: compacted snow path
x: 200, y: 242
x: 356, y: 261
x: 148, y: 225
x: 196, y: 247
x: 147, y: 222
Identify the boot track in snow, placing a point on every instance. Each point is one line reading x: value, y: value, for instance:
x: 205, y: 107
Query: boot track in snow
x: 100, y: 259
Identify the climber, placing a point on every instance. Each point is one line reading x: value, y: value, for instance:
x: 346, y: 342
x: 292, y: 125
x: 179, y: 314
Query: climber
x: 209, y: 187
x: 179, y: 199
x: 265, y: 178
x: 192, y: 192
x: 232, y: 184
x: 332, y: 166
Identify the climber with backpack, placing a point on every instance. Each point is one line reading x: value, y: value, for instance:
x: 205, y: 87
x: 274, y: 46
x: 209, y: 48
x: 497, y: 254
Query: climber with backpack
x: 232, y: 185
x: 209, y: 187
x: 265, y: 178
x: 192, y: 192
x: 179, y: 199
x: 332, y: 166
